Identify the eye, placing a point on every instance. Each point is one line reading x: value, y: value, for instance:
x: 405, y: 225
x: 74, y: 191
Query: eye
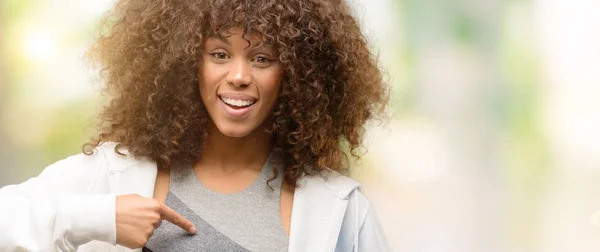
x: 262, y: 61
x: 219, y: 56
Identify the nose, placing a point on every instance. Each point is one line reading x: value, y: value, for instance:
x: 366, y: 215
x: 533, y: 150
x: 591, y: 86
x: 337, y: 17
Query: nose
x: 239, y: 73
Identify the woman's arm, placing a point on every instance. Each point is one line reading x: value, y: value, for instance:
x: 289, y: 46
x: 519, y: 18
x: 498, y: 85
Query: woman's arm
x: 371, y: 236
x: 63, y: 208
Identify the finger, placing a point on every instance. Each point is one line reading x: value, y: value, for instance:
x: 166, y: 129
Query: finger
x: 170, y: 215
x: 157, y: 225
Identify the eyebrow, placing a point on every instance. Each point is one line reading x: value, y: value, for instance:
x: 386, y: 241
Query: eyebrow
x: 259, y: 45
x: 224, y: 40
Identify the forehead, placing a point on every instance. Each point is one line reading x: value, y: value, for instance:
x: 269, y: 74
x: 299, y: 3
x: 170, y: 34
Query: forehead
x: 236, y: 34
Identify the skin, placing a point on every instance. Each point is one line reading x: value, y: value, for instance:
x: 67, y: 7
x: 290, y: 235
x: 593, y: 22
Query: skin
x: 237, y: 146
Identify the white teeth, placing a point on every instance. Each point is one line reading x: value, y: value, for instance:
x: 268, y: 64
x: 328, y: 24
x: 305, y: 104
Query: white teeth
x: 238, y: 103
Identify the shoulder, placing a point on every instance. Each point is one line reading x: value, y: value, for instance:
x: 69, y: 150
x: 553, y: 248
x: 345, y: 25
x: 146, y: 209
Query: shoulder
x: 341, y: 186
x: 104, y: 159
x: 116, y: 161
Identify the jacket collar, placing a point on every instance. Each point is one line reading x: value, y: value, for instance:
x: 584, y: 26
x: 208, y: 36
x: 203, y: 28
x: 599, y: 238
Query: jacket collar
x: 130, y: 175
x: 318, y: 211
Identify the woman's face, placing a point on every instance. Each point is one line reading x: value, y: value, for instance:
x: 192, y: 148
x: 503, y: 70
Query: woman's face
x: 239, y: 83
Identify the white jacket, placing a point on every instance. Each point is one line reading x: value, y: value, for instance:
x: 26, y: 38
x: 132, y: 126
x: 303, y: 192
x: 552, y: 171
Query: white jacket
x: 70, y: 206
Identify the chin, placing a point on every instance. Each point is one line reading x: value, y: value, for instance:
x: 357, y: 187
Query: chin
x: 233, y: 131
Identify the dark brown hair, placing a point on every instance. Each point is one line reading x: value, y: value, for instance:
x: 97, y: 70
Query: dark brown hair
x: 149, y: 58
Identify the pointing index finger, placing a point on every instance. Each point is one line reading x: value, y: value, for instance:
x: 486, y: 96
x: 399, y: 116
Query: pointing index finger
x: 170, y: 215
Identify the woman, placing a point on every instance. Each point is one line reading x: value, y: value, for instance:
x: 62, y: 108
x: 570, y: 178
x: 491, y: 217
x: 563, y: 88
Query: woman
x: 230, y: 121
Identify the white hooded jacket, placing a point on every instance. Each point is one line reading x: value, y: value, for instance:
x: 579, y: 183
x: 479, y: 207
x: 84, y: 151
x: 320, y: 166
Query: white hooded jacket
x: 70, y: 206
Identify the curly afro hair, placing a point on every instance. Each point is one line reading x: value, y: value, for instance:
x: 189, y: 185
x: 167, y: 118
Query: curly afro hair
x: 149, y: 55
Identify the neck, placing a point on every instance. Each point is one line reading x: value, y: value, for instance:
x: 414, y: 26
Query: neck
x: 232, y: 154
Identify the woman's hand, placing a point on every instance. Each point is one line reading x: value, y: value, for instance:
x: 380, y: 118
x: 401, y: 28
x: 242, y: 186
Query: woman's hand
x: 137, y: 218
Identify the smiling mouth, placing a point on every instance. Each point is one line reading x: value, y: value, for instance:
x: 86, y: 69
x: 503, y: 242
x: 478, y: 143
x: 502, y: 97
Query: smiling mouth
x: 237, y: 103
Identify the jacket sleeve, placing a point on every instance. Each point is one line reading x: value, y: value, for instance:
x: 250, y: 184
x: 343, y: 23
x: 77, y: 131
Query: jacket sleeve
x: 371, y: 236
x: 59, y: 210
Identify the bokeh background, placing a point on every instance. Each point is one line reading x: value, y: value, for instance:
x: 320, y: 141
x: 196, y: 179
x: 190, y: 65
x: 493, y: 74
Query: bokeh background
x: 493, y: 141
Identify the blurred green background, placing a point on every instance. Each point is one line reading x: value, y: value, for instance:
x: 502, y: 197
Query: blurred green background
x: 493, y: 142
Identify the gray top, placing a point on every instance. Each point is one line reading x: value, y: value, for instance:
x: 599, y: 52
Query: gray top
x: 245, y: 221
